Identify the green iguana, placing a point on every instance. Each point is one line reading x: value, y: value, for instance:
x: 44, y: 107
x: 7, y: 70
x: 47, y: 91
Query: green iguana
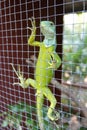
x: 47, y: 62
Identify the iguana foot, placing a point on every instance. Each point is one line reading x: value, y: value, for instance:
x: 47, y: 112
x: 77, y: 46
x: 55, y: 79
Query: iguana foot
x: 20, y: 76
x: 32, y: 19
x: 53, y: 62
x: 53, y: 115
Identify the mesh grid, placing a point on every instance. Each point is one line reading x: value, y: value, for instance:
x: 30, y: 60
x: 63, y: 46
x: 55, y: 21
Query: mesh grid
x: 69, y: 84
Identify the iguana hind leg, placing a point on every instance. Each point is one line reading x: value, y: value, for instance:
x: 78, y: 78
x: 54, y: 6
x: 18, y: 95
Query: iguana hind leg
x: 24, y: 83
x: 52, y: 115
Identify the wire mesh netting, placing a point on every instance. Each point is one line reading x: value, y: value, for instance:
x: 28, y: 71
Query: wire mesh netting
x: 69, y: 84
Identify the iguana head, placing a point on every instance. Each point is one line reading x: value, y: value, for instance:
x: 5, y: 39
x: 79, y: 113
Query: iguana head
x: 48, y: 29
x: 49, y: 32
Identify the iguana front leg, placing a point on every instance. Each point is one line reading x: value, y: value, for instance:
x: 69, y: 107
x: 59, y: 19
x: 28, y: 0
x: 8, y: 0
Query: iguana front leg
x: 31, y: 39
x: 55, y: 61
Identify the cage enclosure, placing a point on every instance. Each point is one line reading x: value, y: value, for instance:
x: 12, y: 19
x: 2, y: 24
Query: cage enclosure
x: 60, y: 24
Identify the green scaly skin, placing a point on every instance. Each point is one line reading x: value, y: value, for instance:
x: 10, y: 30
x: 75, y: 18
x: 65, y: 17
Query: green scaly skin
x: 47, y: 62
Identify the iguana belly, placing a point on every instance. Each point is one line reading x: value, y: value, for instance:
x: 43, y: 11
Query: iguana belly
x: 43, y: 74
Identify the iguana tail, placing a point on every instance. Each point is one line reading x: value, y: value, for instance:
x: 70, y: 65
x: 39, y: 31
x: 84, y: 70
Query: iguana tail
x: 39, y: 109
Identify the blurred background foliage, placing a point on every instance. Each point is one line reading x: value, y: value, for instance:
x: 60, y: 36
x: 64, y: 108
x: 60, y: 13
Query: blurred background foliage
x: 75, y: 48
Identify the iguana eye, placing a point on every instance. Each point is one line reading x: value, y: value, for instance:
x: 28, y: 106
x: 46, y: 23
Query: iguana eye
x: 51, y: 23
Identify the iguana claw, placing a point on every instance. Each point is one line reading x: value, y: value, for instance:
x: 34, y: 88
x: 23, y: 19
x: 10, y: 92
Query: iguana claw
x: 32, y: 19
x: 20, y: 76
x: 52, y: 63
x: 54, y: 115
